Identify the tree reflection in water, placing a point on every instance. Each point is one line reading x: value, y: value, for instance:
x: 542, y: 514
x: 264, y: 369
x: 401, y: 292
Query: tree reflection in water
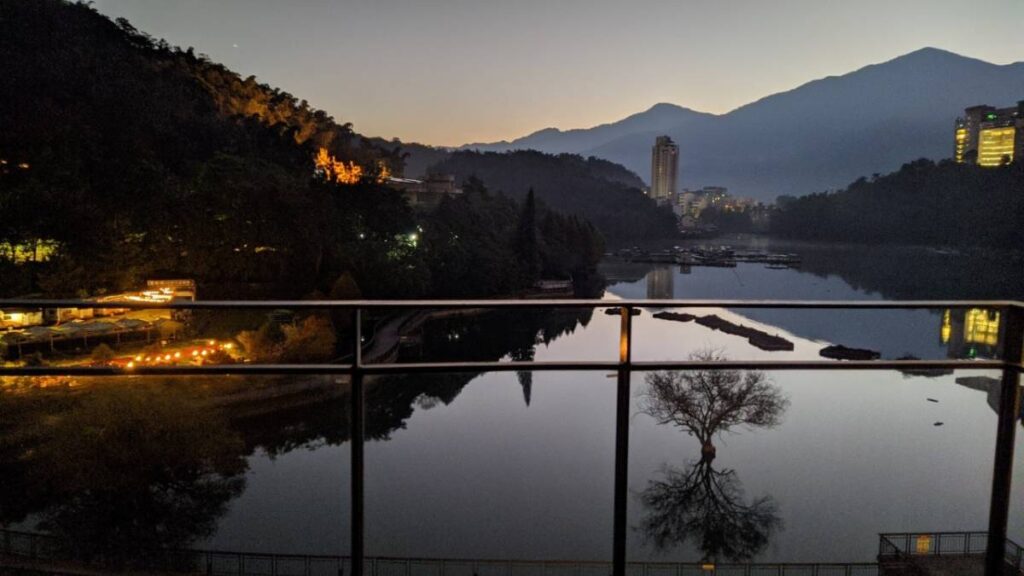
x: 699, y: 503
x: 135, y: 467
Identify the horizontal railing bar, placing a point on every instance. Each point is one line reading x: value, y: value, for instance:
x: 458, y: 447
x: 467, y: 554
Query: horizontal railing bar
x: 690, y: 365
x: 451, y: 367
x: 286, y: 556
x: 514, y: 303
x: 208, y: 369
x: 924, y: 533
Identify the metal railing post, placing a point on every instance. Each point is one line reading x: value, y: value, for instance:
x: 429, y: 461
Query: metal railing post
x: 1009, y: 409
x: 358, y: 414
x: 622, y: 442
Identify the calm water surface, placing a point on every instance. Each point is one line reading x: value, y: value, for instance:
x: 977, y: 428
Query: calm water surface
x: 520, y: 465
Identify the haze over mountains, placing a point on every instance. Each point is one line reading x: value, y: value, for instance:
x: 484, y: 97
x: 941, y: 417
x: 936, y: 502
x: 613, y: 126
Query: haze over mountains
x: 821, y: 135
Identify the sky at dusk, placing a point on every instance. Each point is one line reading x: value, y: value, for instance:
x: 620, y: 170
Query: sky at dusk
x: 456, y: 71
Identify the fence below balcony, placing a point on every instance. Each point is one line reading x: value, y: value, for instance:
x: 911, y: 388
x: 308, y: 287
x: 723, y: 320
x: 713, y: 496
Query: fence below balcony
x: 27, y: 550
x: 924, y: 549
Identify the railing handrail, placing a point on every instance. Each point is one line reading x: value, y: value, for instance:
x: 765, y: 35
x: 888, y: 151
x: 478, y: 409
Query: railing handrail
x: 511, y: 303
x: 902, y: 545
x: 941, y: 533
x: 41, y: 536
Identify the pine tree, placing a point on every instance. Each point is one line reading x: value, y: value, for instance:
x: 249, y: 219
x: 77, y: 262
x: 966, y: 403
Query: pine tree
x: 526, y: 245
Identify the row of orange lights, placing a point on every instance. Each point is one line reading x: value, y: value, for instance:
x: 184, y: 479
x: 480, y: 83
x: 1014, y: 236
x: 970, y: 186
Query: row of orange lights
x: 195, y: 354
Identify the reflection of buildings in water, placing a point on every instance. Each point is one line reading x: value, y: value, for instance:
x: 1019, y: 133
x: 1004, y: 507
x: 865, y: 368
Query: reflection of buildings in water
x: 970, y: 333
x: 991, y: 387
x: 974, y: 333
x: 660, y: 285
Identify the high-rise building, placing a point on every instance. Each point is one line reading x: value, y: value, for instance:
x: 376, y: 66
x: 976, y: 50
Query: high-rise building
x: 664, y: 168
x: 989, y: 136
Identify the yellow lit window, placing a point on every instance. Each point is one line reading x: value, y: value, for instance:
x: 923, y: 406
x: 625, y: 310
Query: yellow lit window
x: 995, y: 146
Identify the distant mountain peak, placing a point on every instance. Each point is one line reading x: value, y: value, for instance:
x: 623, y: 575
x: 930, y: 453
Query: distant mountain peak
x: 545, y: 132
x: 933, y: 55
x: 820, y: 135
x: 931, y: 50
x: 660, y: 106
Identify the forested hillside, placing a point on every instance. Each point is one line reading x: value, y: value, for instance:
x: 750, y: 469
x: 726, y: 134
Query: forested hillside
x: 603, y: 192
x: 122, y: 156
x: 944, y: 204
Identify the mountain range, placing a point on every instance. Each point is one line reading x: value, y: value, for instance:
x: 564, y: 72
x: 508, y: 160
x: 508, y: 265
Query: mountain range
x: 819, y: 136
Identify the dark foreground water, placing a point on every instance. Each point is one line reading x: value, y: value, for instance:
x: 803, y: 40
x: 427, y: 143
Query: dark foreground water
x: 520, y: 465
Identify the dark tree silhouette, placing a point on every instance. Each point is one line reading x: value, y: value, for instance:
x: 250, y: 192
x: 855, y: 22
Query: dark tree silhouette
x: 702, y: 503
x: 707, y: 402
x: 526, y: 246
x: 525, y: 376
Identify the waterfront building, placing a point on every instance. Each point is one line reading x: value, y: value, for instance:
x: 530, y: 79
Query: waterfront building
x: 989, y: 136
x: 693, y: 202
x: 12, y: 318
x: 664, y: 169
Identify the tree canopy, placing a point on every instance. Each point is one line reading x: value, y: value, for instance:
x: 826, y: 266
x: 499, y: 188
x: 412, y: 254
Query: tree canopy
x: 928, y: 203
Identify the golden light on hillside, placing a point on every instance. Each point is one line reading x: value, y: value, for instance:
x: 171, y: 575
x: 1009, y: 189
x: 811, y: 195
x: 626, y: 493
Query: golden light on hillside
x: 347, y: 173
x: 336, y: 170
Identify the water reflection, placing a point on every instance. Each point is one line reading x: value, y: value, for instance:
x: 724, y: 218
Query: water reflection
x: 660, y: 283
x: 707, y: 506
x: 970, y: 333
x: 126, y: 469
x: 699, y: 503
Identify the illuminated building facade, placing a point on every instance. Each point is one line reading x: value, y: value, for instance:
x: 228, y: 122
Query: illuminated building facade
x: 989, y: 136
x: 664, y: 169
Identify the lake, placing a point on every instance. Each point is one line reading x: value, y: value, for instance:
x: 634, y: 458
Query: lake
x: 520, y: 465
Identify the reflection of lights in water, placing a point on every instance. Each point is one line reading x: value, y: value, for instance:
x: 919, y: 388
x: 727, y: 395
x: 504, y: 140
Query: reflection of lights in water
x: 970, y: 333
x: 981, y: 326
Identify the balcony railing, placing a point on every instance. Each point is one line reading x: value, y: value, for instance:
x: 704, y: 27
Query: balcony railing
x: 33, y: 549
x: 1011, y: 365
x: 905, y: 546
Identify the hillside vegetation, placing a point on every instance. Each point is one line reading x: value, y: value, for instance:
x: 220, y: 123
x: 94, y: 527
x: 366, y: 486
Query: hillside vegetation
x: 603, y: 192
x: 124, y: 156
x: 944, y: 204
